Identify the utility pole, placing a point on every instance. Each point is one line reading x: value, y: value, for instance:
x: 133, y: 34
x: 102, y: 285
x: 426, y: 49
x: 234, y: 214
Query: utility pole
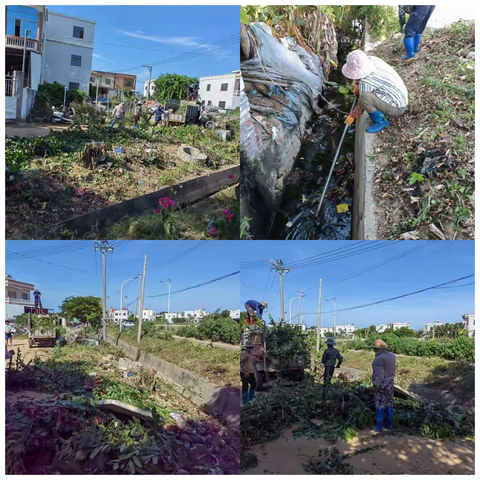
x: 299, y: 305
x: 319, y: 315
x: 334, y: 312
x: 96, y: 95
x: 27, y: 32
x: 279, y: 267
x: 149, y: 81
x: 290, y: 309
x: 168, y: 282
x: 104, y: 248
x: 140, y: 317
x: 138, y: 293
x: 121, y: 301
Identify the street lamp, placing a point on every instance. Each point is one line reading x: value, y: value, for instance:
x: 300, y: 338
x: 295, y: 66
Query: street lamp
x: 121, y: 299
x: 290, y: 308
x: 334, y: 305
x: 167, y: 282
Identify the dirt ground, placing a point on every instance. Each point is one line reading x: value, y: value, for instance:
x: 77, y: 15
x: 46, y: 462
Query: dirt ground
x: 31, y: 130
x: 29, y: 353
x: 401, y: 455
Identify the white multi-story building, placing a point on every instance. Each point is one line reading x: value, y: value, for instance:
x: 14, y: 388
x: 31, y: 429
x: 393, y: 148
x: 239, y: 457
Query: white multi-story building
x: 427, y: 327
x: 222, y: 91
x: 17, y: 297
x: 149, y: 315
x: 68, y: 51
x: 116, y: 316
x: 469, y: 324
x: 348, y: 329
x: 235, y: 314
x: 392, y: 325
x: 146, y: 85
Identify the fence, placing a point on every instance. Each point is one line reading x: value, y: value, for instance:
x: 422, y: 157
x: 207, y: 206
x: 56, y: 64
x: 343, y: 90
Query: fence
x: 10, y: 86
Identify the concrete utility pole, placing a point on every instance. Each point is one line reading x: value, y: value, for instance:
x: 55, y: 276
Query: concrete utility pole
x: 96, y: 95
x: 319, y: 315
x: 334, y: 313
x: 149, y: 81
x: 121, y: 301
x: 168, y: 282
x: 299, y: 305
x: 27, y: 32
x: 279, y: 267
x: 104, y: 248
x: 138, y: 294
x: 140, y: 317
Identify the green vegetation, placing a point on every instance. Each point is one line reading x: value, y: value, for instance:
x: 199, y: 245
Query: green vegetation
x: 171, y: 86
x: 215, y: 365
x: 86, y: 309
x: 218, y: 327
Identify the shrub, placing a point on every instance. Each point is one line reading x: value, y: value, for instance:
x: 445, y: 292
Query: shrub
x: 215, y: 328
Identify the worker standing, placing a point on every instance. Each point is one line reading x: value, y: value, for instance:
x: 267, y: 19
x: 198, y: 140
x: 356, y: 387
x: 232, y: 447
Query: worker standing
x: 384, y: 365
x: 8, y: 333
x: 138, y: 113
x: 419, y: 15
x: 254, y: 308
x: 329, y: 359
x: 38, y: 300
x: 159, y: 114
x: 380, y: 89
x: 118, y: 114
x: 247, y: 372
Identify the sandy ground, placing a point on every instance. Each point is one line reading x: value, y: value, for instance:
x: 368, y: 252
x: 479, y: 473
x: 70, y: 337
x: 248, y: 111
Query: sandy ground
x: 403, y: 455
x: 31, y: 130
x: 28, y: 353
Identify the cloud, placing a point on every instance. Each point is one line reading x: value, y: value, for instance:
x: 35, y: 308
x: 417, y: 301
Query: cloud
x: 101, y: 57
x: 185, y: 41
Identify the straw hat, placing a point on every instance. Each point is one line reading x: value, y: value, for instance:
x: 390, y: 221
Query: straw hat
x: 264, y: 304
x: 358, y: 65
x: 379, y: 344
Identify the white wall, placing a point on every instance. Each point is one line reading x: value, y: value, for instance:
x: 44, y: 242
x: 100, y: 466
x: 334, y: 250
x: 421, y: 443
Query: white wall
x: 145, y: 87
x: 12, y: 311
x: 61, y: 45
x: 215, y: 95
x: 10, y: 108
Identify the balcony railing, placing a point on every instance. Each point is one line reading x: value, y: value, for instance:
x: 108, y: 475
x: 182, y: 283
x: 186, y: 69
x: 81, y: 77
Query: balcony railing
x: 18, y: 42
x: 19, y: 301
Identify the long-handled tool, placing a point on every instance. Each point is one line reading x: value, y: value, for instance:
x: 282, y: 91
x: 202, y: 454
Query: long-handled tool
x: 317, y: 213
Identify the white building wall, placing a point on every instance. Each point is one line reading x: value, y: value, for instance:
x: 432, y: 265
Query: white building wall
x: 429, y: 326
x: 149, y: 315
x: 145, y: 87
x: 469, y: 324
x: 61, y: 45
x: 12, y: 311
x: 213, y: 95
x: 235, y: 314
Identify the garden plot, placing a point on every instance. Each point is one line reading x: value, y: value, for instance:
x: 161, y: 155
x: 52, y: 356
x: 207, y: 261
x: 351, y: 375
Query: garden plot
x: 77, y: 171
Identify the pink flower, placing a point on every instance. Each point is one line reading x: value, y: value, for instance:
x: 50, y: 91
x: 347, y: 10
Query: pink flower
x: 230, y: 218
x: 226, y: 212
x: 213, y: 231
x: 232, y: 175
x: 166, y: 202
x: 157, y: 210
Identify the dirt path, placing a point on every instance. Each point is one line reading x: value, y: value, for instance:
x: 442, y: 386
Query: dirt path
x: 31, y: 130
x: 402, y: 455
x: 29, y: 353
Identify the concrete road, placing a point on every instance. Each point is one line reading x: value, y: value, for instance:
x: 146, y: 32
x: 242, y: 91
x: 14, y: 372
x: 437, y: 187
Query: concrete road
x: 31, y: 130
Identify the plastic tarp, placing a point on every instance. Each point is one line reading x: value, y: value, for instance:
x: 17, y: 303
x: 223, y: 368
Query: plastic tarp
x: 250, y: 138
x: 311, y: 61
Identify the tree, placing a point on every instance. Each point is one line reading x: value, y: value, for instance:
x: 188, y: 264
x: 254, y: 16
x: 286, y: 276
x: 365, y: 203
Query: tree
x: 404, y: 332
x: 171, y: 86
x: 448, y: 330
x: 328, y: 334
x: 132, y: 318
x: 85, y: 309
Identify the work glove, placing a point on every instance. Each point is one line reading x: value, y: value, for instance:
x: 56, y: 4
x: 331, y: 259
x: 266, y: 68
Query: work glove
x: 356, y: 89
x: 350, y: 120
x: 338, y: 366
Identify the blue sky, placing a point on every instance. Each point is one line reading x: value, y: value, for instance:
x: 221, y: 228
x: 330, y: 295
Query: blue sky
x: 172, y: 29
x: 212, y: 260
x: 430, y: 263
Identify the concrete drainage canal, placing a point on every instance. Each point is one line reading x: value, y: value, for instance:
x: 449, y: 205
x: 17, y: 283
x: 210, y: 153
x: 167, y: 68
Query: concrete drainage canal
x: 295, y: 218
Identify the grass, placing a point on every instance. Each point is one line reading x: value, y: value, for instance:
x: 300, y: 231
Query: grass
x: 439, y: 124
x: 215, y: 365
x: 456, y: 377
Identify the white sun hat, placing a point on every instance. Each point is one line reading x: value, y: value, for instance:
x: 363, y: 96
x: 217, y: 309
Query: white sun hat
x: 358, y: 65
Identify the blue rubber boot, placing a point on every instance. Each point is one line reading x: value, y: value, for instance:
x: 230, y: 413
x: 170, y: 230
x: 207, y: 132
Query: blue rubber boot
x: 379, y: 416
x: 380, y: 122
x: 136, y: 126
x: 244, y: 398
x: 409, y: 43
x: 416, y: 42
x: 251, y: 394
x: 112, y: 124
x: 389, y: 418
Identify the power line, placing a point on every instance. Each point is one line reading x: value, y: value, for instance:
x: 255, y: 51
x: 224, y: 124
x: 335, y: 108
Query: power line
x: 44, y: 261
x: 179, y: 256
x: 63, y: 247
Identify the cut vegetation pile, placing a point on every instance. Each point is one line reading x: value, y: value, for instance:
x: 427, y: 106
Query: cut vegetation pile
x: 64, y: 432
x: 424, y: 177
x: 65, y: 174
x: 344, y: 409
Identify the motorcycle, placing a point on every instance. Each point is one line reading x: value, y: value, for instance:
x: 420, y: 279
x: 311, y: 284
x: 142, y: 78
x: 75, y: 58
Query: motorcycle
x: 59, y: 115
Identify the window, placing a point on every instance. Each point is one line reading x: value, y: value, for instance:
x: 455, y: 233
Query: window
x: 12, y: 294
x: 221, y: 104
x: 76, y: 61
x: 78, y: 32
x: 224, y: 87
x: 208, y: 87
x: 20, y: 19
x: 209, y: 104
x: 25, y: 296
x: 108, y: 81
x: 236, y: 88
x: 73, y: 86
x: 128, y: 83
